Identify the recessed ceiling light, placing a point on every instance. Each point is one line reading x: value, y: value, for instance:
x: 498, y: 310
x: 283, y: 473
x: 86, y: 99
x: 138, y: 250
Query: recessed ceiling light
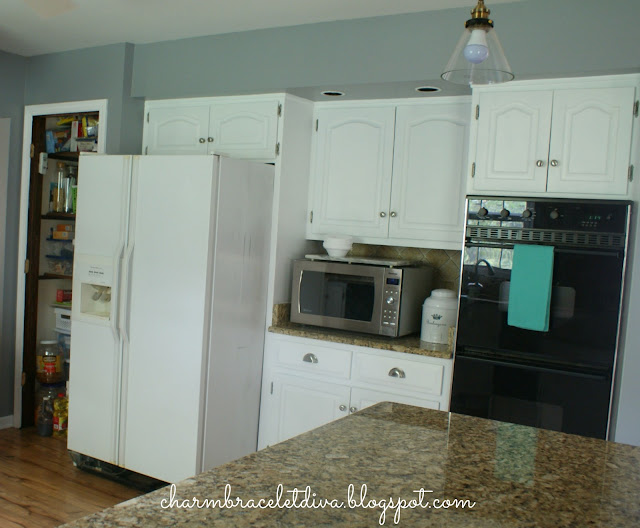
x: 333, y: 93
x: 427, y: 89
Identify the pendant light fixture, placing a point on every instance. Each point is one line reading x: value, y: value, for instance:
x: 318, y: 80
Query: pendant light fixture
x: 478, y: 57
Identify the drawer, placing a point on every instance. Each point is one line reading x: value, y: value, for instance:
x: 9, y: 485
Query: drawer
x: 399, y: 373
x: 313, y: 359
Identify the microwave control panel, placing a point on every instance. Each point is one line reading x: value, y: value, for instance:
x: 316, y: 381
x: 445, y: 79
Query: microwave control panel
x: 391, y: 298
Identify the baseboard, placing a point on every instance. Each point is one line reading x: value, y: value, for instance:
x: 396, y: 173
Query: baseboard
x: 6, y: 421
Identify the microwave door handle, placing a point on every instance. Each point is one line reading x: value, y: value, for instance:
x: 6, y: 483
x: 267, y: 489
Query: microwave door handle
x: 299, y: 289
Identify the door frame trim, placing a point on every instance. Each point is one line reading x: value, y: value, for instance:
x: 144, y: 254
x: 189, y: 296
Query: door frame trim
x: 31, y: 111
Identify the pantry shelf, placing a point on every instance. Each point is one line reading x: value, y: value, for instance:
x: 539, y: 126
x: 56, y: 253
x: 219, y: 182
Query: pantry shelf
x: 59, y: 216
x: 48, y: 276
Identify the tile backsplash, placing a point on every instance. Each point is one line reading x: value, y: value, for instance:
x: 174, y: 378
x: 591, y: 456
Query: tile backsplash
x: 445, y: 263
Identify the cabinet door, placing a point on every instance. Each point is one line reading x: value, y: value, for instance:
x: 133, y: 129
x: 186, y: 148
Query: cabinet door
x: 363, y: 398
x: 429, y: 168
x: 351, y: 172
x: 244, y: 129
x: 177, y: 130
x: 301, y: 404
x: 512, y: 144
x: 591, y: 140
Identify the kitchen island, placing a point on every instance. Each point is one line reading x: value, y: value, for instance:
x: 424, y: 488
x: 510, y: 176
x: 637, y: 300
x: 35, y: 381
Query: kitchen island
x: 399, y: 465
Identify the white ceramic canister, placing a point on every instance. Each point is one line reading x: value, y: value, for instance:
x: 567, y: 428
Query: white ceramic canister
x: 438, y: 315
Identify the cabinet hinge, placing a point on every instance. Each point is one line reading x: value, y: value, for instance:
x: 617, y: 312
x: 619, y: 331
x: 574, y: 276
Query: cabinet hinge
x: 630, y: 173
x: 26, y: 266
x: 146, y: 150
x: 32, y: 151
x: 311, y: 217
x: 277, y: 149
x: 279, y: 109
x: 477, y: 112
x: 473, y: 169
x: 316, y: 125
x: 635, y: 108
x: 272, y: 387
x: 23, y: 381
x: 148, y: 116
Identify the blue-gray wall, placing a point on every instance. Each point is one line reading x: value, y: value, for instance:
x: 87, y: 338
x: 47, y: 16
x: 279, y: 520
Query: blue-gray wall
x: 95, y: 73
x: 540, y: 38
x: 12, y: 79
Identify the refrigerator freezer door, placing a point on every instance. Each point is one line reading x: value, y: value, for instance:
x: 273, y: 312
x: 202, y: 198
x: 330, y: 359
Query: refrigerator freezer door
x: 165, y: 320
x: 240, y: 280
x: 96, y: 360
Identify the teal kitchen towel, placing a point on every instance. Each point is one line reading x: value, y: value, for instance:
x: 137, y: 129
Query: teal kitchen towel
x: 530, y: 289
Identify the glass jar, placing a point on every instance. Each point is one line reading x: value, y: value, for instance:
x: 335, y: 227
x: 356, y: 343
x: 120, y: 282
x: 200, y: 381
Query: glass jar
x: 44, y: 420
x: 69, y: 183
x: 49, y: 362
x: 59, y: 183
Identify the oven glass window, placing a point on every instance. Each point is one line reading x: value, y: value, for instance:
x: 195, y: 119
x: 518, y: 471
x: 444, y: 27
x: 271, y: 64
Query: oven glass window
x: 336, y: 295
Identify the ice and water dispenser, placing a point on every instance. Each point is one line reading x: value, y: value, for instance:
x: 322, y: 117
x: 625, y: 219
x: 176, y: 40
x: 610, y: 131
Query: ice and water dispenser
x: 95, y: 277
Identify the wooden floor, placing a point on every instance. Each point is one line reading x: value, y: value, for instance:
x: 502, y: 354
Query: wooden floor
x: 41, y: 488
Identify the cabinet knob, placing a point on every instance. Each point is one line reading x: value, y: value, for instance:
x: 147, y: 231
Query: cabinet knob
x: 353, y: 409
x: 210, y: 139
x: 382, y: 214
x: 310, y: 358
x: 201, y: 140
x: 393, y: 214
x: 539, y: 163
x: 343, y: 408
x: 397, y: 373
x: 553, y: 163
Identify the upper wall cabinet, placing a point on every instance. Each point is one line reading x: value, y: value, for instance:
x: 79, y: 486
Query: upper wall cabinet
x: 235, y: 127
x: 565, y: 141
x: 390, y: 173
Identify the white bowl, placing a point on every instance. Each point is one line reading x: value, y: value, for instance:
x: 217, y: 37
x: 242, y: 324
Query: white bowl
x: 336, y: 252
x: 338, y: 242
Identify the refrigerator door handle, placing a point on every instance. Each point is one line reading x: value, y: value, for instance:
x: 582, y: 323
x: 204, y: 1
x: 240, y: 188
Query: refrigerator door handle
x: 126, y: 288
x: 115, y: 319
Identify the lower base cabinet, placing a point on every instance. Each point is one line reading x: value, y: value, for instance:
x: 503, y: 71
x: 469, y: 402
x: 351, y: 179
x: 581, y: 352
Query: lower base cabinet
x: 308, y: 383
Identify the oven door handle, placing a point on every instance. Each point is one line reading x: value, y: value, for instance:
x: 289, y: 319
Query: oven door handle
x: 535, y: 368
x: 613, y: 252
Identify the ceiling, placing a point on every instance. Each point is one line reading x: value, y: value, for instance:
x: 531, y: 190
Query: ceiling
x: 35, y: 27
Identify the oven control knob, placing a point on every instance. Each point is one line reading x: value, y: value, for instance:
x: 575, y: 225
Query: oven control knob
x: 526, y: 213
x: 554, y: 215
x: 390, y: 300
x: 504, y: 213
x: 483, y: 211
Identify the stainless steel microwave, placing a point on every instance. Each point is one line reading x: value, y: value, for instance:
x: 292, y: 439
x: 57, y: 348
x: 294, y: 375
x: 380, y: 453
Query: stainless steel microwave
x: 374, y: 299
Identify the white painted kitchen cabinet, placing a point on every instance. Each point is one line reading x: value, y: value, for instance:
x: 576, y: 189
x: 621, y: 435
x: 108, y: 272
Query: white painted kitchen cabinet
x: 429, y: 172
x: 303, y: 404
x: 307, y: 383
x: 556, y: 139
x: 390, y: 173
x: 351, y: 170
x: 239, y: 127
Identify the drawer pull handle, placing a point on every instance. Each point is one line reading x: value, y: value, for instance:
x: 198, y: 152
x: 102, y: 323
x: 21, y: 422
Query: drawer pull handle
x: 310, y: 358
x: 397, y: 373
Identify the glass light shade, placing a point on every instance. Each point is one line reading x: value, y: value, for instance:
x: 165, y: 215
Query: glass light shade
x: 494, y: 68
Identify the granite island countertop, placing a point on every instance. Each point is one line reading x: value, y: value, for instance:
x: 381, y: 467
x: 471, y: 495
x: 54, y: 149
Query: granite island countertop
x: 511, y: 476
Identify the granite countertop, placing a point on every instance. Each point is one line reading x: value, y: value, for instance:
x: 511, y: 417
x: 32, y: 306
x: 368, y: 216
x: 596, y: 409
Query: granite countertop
x: 410, y: 344
x: 512, y: 476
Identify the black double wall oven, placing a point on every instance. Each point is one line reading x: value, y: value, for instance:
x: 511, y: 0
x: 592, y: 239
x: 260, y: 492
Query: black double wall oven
x: 560, y: 379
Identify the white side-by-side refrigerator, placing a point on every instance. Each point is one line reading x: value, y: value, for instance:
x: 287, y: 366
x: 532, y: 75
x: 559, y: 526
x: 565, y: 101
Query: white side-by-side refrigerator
x: 168, y: 317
